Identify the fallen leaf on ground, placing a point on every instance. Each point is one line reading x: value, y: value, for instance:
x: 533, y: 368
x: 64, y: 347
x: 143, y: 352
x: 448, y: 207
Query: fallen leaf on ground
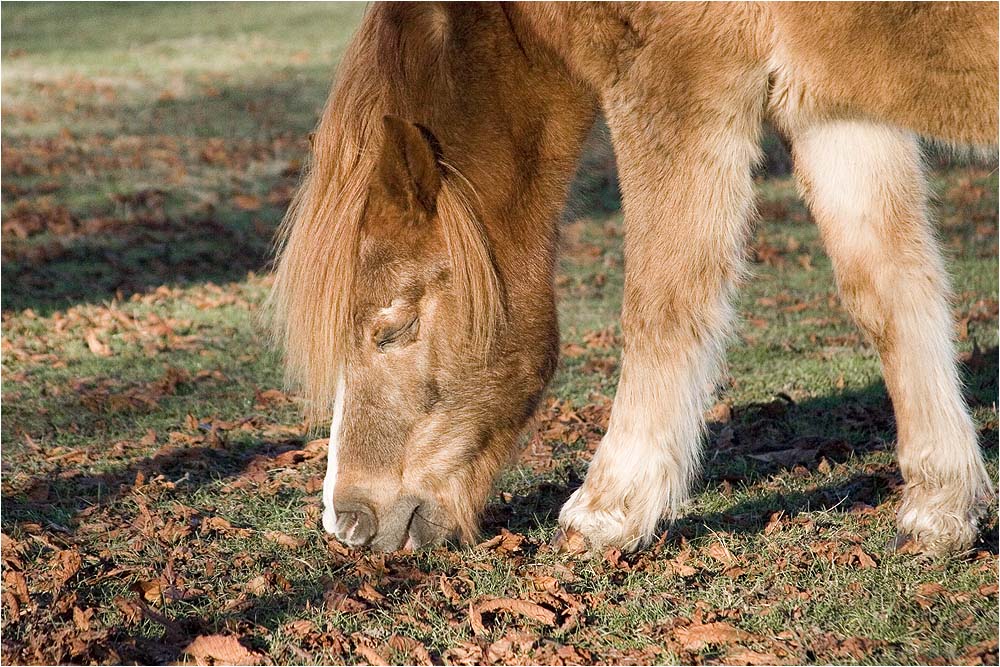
x: 96, y: 346
x: 218, y: 524
x: 719, y: 552
x: 696, y: 637
x: 283, y: 539
x: 983, y: 653
x: 520, y: 607
x: 66, y: 564
x: 82, y: 618
x: 721, y: 413
x: 505, y: 542
x: 299, y: 628
x: 370, y: 655
x: 221, y: 650
x: 247, y: 202
x: 745, y: 656
x: 412, y: 648
x: 570, y: 541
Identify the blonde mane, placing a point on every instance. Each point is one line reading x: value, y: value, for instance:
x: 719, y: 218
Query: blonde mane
x: 311, y: 304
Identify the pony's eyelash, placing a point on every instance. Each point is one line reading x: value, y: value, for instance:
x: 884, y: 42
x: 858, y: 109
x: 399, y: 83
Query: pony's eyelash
x: 388, y: 337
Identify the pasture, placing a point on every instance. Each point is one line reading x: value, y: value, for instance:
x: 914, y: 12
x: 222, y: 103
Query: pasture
x: 161, y: 495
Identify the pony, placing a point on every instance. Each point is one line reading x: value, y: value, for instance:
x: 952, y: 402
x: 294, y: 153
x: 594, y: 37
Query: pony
x: 413, y: 289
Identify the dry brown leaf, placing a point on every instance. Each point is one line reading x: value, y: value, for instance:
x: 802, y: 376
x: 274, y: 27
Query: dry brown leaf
x: 721, y: 413
x: 524, y: 608
x: 719, y: 552
x: 613, y: 557
x: 544, y: 582
x: 299, y: 628
x: 174, y: 532
x: 315, y: 448
x: 500, y: 651
x: 864, y: 561
x: 449, y: 591
x: 570, y: 541
x: 372, y: 656
x: 930, y: 589
x: 283, y: 539
x: 96, y: 346
x: 510, y: 542
x: 10, y: 548
x: 221, y: 650
x: 338, y: 598
x: 269, y: 397
x: 15, y: 583
x: 745, y: 656
x: 678, y: 565
x: 368, y: 592
x: 82, y: 618
x: 66, y: 564
x: 570, y: 655
x: 464, y: 653
x: 413, y: 648
x: 696, y: 637
x: 247, y: 202
x: 505, y: 542
x: 218, y: 524
x: 476, y: 620
x: 152, y: 591
x: 129, y: 609
x: 983, y: 653
x: 258, y: 585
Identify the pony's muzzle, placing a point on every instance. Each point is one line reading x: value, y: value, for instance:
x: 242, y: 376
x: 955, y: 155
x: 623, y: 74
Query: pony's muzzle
x: 399, y: 526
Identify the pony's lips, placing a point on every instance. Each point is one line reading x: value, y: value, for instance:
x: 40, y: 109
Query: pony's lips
x: 421, y: 532
x: 406, y: 526
x: 411, y: 543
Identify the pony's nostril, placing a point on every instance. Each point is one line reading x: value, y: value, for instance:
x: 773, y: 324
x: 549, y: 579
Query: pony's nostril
x: 356, y: 524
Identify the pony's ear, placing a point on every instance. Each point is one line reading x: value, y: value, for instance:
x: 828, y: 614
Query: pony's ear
x: 408, y: 168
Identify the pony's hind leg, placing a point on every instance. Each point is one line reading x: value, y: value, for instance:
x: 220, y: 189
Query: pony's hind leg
x: 688, y: 197
x: 866, y: 188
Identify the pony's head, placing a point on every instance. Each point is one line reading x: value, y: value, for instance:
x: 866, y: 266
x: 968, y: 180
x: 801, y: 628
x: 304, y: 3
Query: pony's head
x: 413, y: 291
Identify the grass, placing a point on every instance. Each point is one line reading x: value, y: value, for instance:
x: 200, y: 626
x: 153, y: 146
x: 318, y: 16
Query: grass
x: 157, y: 487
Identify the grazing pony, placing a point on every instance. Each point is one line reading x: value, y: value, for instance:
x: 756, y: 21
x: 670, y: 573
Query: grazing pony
x: 413, y: 292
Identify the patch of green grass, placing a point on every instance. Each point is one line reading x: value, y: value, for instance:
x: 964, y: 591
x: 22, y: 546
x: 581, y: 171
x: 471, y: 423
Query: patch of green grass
x: 149, y: 152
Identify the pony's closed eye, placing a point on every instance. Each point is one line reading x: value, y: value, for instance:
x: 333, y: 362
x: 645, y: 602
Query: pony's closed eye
x: 396, y: 334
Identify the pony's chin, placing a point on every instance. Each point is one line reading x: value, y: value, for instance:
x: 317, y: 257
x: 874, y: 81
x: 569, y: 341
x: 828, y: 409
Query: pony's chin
x: 411, y: 525
x: 426, y: 529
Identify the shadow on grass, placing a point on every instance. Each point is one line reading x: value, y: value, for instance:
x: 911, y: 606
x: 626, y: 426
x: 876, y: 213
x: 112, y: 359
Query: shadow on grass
x: 118, y: 405
x: 139, y: 258
x: 68, y: 496
x: 117, y: 225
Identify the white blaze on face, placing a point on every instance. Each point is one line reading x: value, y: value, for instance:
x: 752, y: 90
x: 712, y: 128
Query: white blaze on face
x: 330, y: 482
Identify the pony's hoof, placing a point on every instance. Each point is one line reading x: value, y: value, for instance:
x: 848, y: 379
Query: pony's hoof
x: 906, y: 543
x: 570, y: 541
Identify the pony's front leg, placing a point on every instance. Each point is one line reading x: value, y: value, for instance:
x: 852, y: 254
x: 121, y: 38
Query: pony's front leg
x: 688, y: 195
